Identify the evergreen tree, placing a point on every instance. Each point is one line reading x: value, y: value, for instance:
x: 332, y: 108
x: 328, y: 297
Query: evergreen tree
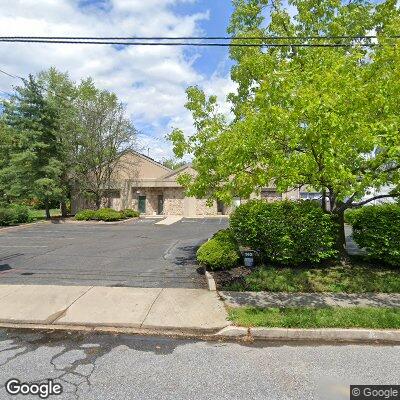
x: 34, y: 168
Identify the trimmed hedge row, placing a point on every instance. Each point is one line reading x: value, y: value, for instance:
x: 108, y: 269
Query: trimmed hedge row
x: 377, y: 229
x: 286, y: 232
x: 105, y: 214
x: 14, y: 215
x: 220, y: 252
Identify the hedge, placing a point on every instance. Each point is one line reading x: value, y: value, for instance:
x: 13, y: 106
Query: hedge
x: 129, y: 213
x: 286, y: 232
x: 14, y: 214
x: 220, y: 252
x: 377, y: 229
x: 105, y: 214
x: 85, y: 215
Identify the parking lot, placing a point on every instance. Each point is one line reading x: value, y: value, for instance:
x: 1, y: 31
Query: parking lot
x: 134, y: 254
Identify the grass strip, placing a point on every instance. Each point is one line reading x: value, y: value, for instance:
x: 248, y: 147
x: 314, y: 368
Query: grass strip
x: 330, y: 317
x: 354, y: 278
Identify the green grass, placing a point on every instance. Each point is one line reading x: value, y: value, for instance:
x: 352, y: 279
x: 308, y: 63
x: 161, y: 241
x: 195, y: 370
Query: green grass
x: 373, y: 318
x: 41, y: 214
x: 354, y: 278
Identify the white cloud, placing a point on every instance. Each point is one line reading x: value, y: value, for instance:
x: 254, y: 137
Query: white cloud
x: 150, y: 80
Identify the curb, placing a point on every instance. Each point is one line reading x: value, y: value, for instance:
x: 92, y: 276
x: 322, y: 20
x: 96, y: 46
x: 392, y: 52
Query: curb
x: 22, y: 226
x: 94, y: 223
x: 212, y: 287
x: 321, y: 335
x: 170, y: 332
x: 234, y: 333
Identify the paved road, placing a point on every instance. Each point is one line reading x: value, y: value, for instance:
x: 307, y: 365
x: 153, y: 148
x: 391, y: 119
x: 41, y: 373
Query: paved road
x: 136, y: 254
x: 126, y: 367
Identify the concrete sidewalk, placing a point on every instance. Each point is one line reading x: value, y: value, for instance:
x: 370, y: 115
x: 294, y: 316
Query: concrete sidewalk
x: 280, y: 300
x: 195, y: 310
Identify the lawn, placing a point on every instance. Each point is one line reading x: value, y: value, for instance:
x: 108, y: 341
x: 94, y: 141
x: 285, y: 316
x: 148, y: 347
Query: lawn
x: 357, y: 277
x: 41, y: 214
x: 374, y: 318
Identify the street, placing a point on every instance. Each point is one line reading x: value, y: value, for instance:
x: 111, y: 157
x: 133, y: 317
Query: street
x: 107, y: 366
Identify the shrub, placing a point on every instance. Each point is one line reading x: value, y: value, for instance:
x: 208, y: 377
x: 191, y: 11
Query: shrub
x: 377, y: 229
x: 129, y: 213
x: 85, y: 215
x: 108, y: 215
x: 220, y: 252
x: 6, y: 216
x: 21, y: 214
x: 14, y: 215
x: 285, y: 232
x: 350, y: 215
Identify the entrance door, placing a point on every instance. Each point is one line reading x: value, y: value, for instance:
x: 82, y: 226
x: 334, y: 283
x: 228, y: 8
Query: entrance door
x: 160, y: 204
x: 142, y: 204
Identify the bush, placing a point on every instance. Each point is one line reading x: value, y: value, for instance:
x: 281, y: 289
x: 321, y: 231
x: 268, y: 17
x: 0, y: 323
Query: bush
x: 14, y: 215
x: 285, y: 232
x: 6, y: 217
x: 21, y: 214
x: 377, y: 229
x: 129, y: 213
x: 350, y: 215
x: 220, y: 252
x: 108, y: 215
x: 85, y: 215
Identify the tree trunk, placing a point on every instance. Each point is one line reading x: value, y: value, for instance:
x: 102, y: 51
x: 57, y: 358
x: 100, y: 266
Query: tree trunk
x: 98, y: 202
x: 47, y: 208
x: 341, y: 236
x: 63, y: 207
x: 324, y: 205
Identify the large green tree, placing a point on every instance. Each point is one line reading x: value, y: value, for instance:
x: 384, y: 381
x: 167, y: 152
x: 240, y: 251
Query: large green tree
x: 325, y: 117
x: 61, y: 92
x: 33, y: 167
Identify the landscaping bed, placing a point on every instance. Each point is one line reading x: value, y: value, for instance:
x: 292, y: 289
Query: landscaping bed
x: 368, y: 317
x: 106, y: 215
x: 356, y: 277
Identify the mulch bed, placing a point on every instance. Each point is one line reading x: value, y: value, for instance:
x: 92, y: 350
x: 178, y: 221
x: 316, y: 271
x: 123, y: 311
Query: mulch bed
x: 225, y: 278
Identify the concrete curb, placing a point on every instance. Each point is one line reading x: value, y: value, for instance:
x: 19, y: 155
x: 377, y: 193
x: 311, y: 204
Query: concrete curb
x: 318, y: 335
x: 234, y: 333
x: 73, y: 221
x: 170, y: 332
x: 211, y: 282
x: 22, y: 226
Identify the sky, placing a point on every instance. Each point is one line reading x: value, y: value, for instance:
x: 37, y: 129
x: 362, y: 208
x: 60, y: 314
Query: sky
x: 150, y: 81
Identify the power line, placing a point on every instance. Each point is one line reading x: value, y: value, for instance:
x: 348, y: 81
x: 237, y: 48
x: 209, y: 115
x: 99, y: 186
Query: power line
x: 267, y: 37
x: 188, y: 43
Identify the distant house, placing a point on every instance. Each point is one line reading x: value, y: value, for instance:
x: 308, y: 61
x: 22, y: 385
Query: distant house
x: 141, y: 183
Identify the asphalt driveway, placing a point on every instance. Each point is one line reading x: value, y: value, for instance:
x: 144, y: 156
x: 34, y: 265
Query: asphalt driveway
x: 134, y: 254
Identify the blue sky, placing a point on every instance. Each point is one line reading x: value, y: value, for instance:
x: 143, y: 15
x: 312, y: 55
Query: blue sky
x: 150, y: 81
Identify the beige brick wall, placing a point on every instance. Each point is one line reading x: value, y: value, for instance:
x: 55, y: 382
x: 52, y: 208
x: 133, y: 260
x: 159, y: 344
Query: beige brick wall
x: 173, y: 201
x: 203, y: 209
x: 151, y: 199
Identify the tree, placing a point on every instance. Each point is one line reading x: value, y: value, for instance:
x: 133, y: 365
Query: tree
x: 326, y: 117
x: 61, y: 93
x: 34, y: 168
x: 104, y: 132
x: 172, y: 163
x: 5, y: 147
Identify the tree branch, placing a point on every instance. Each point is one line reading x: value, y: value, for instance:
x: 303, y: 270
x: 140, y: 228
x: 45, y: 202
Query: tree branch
x: 381, y: 196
